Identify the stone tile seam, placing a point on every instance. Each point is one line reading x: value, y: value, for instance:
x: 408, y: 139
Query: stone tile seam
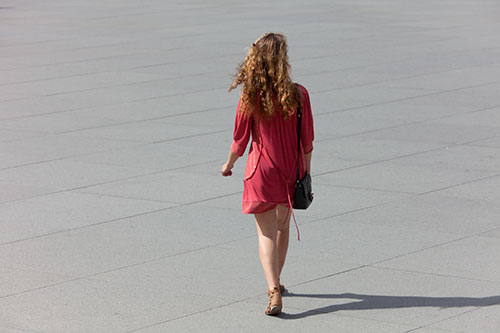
x: 298, y: 308
x: 478, y: 234
x: 189, y: 136
x: 372, y: 265
x: 241, y: 301
x: 56, y: 78
x: 497, y: 282
x: 483, y: 146
x: 407, y: 124
x: 182, y: 317
x: 112, y: 220
x: 69, y: 49
x: 126, y: 197
x: 395, y: 79
x: 23, y: 67
x: 344, y: 315
x: 31, y: 270
x: 440, y: 330
x: 405, y: 98
x: 135, y: 144
x: 85, y: 226
x: 219, y: 246
x: 476, y: 308
x: 121, y: 85
x: 93, y: 276
x: 489, y: 237
x: 137, y: 53
x: 22, y: 44
x: 448, y: 146
x: 118, y: 104
x: 491, y: 176
x: 106, y: 182
x: 365, y: 188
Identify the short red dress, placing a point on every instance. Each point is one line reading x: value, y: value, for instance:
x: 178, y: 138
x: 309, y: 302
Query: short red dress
x: 271, y: 168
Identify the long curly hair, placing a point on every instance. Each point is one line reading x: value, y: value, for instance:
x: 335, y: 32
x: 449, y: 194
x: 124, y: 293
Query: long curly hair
x: 265, y: 78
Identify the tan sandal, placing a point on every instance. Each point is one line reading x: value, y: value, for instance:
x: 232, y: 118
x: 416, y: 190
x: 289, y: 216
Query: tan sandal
x: 282, y: 288
x: 275, y: 303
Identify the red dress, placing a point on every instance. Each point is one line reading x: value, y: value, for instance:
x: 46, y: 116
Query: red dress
x: 271, y: 168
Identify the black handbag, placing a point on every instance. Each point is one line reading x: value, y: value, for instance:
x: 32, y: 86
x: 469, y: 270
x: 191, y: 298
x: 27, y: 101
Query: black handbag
x: 303, y: 187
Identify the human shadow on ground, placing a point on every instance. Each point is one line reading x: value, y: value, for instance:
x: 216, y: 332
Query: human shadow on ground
x: 373, y: 302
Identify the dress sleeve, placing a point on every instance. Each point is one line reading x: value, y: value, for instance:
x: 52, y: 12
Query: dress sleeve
x: 307, y: 131
x: 242, y: 130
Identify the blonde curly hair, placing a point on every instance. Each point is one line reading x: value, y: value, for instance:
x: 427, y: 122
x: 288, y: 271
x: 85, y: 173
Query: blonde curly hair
x: 265, y: 78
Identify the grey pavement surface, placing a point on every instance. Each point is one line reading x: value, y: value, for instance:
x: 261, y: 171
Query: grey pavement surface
x: 115, y: 120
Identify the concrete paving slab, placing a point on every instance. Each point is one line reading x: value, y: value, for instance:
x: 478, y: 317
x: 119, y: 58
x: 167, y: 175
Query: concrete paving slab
x: 480, y: 320
x: 436, y: 132
x: 494, y: 233
x: 359, y: 149
x: 16, y: 281
x: 80, y: 82
x: 167, y: 155
x: 250, y: 319
x: 170, y: 186
x: 54, y: 123
x: 395, y: 177
x: 463, y: 258
x: 368, y: 293
x: 434, y: 212
x: 65, y: 211
x: 455, y: 79
x: 13, y: 135
x: 98, y: 306
x: 491, y: 142
x: 337, y: 200
x: 111, y: 244
x: 359, y: 242
x: 181, y: 272
x: 484, y: 190
x: 475, y: 97
x: 431, y: 330
x: 455, y: 158
x: 392, y: 84
x: 485, y: 118
x: 14, y: 192
x: 144, y: 131
x: 61, y: 175
x: 57, y: 146
x: 13, y: 330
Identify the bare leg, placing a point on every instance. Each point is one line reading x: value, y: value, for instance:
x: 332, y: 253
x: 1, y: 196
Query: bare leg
x: 283, y: 233
x: 267, y: 229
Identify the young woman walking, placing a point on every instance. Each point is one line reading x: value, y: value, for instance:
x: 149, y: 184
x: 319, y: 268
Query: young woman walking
x: 267, y: 111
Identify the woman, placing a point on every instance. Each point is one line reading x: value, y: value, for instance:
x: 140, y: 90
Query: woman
x: 268, y: 111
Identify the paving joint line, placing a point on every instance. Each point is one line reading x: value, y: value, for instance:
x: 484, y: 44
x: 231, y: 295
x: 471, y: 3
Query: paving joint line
x: 435, y: 274
x: 453, y: 145
x: 112, y: 220
x: 110, y: 181
x: 400, y: 99
x: 461, y: 184
x: 475, y: 308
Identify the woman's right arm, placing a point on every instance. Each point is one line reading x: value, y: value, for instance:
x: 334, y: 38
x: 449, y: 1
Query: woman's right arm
x: 241, y: 136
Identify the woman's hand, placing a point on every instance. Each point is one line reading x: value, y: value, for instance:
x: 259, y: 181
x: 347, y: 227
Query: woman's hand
x: 226, y: 169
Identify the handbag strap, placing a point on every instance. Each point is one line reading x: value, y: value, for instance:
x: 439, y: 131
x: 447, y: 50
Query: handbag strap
x: 299, y: 126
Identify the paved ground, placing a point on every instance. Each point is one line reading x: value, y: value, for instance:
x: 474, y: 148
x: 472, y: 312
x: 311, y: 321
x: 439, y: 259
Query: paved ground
x: 114, y: 121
